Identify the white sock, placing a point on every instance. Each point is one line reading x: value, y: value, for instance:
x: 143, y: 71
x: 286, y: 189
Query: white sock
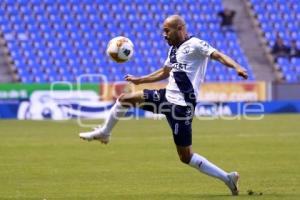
x: 206, y: 167
x: 115, y: 113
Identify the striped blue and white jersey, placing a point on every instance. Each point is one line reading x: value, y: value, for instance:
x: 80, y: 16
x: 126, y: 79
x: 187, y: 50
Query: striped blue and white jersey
x: 188, y: 63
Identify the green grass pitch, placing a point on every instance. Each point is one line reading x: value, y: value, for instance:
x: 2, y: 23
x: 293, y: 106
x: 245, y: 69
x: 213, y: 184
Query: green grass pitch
x: 47, y: 160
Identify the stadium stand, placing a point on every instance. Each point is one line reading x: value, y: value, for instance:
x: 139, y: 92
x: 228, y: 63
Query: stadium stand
x: 58, y: 40
x: 282, y: 17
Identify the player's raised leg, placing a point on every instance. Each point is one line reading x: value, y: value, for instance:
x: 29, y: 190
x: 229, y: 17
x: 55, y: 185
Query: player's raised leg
x: 203, y: 165
x: 119, y: 109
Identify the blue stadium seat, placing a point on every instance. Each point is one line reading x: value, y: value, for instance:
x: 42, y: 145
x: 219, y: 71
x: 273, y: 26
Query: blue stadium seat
x: 68, y: 38
x: 280, y: 16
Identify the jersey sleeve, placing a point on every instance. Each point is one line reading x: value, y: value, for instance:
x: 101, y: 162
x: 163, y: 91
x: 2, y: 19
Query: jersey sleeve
x: 204, y: 48
x: 167, y: 61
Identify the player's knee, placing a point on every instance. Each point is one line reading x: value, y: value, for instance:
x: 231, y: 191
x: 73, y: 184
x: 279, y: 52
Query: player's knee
x: 185, y: 154
x: 185, y: 158
x: 124, y: 99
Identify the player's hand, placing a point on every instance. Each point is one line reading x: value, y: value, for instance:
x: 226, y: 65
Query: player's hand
x: 132, y: 79
x: 242, y: 72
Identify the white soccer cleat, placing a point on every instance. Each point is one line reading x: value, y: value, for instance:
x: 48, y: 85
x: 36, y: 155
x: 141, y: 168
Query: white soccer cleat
x: 233, y: 180
x: 96, y: 134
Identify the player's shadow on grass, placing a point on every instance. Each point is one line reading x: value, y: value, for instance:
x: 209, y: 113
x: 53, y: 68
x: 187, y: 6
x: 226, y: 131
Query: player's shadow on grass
x: 180, y: 196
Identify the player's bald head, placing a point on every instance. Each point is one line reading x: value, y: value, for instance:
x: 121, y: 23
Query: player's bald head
x: 174, y: 21
x: 174, y: 30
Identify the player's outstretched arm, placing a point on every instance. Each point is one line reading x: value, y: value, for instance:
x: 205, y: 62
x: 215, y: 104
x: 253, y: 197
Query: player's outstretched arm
x: 229, y: 62
x: 158, y: 75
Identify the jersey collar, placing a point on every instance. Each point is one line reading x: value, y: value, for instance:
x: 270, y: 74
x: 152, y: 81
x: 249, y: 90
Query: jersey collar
x: 189, y: 37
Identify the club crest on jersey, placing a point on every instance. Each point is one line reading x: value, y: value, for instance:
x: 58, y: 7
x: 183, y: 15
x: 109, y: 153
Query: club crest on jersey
x: 179, y: 66
x: 186, y: 50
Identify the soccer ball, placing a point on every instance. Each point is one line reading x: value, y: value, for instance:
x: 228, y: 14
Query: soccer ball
x: 120, y: 49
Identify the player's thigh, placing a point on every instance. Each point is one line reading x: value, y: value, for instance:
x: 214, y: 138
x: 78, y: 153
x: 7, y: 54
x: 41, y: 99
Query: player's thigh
x: 154, y: 100
x: 132, y: 99
x: 180, y: 121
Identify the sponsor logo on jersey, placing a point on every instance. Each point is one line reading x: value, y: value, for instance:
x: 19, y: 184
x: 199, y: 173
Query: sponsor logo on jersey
x: 179, y: 66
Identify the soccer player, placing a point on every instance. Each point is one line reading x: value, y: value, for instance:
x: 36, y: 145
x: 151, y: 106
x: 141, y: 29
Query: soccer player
x: 185, y: 67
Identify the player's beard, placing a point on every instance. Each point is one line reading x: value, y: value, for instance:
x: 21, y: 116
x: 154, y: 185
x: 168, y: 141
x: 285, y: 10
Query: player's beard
x: 176, y: 40
x: 168, y: 41
x: 171, y: 42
